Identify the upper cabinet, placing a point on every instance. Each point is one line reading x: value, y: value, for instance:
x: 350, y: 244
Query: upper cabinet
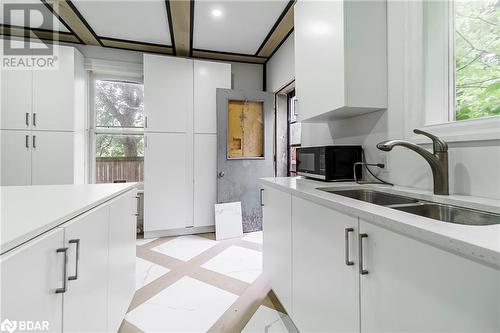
x: 208, y: 76
x: 168, y: 93
x: 340, y: 58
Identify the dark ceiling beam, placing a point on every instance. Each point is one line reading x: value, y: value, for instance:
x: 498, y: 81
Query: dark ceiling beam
x: 228, y: 56
x: 68, y: 13
x: 280, y: 31
x: 180, y: 16
x: 135, y: 46
x: 15, y: 31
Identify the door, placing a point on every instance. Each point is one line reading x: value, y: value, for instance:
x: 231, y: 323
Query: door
x: 54, y: 94
x: 277, y: 226
x: 168, y: 94
x: 16, y: 99
x: 415, y: 287
x: 325, y: 288
x: 15, y: 157
x: 52, y: 158
x: 30, y: 276
x: 168, y: 182
x: 121, y: 261
x: 244, y: 150
x: 85, y: 301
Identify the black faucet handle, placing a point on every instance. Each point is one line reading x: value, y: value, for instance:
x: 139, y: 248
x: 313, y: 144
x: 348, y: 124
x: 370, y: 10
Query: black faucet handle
x: 439, y: 144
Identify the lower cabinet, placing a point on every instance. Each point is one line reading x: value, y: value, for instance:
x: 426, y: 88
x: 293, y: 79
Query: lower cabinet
x: 80, y: 277
x: 325, y: 273
x: 277, y: 259
x: 412, y: 286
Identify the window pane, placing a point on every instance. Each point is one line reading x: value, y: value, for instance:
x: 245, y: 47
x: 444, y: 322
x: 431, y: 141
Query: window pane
x: 119, y: 104
x: 245, y: 129
x: 477, y: 58
x: 119, y: 158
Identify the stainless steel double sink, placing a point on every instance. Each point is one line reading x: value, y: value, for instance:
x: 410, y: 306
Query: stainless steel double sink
x: 433, y: 210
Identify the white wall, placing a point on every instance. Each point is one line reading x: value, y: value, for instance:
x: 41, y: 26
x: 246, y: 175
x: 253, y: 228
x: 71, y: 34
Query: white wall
x: 474, y: 166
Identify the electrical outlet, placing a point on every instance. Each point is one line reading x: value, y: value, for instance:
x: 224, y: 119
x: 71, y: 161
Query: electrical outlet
x: 382, y: 159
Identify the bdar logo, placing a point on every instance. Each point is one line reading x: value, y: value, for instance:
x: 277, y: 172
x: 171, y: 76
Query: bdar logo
x: 8, y: 325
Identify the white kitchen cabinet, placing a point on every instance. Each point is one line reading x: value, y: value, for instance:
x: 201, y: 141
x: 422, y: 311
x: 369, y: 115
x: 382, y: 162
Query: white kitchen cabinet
x: 277, y: 244
x: 168, y: 93
x: 30, y: 276
x: 340, y: 58
x: 121, y: 259
x: 415, y: 287
x: 208, y: 76
x: 16, y: 91
x: 52, y: 158
x: 15, y: 157
x: 85, y: 301
x: 168, y: 181
x: 325, y: 290
x: 205, y: 179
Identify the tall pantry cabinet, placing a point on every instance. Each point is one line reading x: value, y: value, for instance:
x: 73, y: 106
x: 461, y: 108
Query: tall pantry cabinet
x: 42, y: 123
x: 180, y: 168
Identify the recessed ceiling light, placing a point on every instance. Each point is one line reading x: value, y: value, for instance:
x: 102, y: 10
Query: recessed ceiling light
x: 216, y: 12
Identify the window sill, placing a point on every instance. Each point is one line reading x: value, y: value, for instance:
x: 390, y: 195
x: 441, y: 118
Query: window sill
x: 484, y: 129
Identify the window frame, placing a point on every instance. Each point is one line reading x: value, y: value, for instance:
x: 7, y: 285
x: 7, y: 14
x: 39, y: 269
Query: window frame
x: 93, y: 130
x: 417, y: 81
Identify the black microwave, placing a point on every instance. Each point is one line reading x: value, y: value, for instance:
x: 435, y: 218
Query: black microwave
x: 329, y: 163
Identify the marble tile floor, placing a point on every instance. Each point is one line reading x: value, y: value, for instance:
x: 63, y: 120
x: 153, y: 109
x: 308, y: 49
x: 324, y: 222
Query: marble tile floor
x: 197, y: 284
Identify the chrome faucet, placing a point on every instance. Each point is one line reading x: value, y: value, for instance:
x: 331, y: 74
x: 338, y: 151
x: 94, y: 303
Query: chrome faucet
x: 437, y: 160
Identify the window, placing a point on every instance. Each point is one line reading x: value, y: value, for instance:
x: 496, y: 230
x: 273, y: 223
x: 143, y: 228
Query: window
x: 476, y: 59
x: 118, y: 132
x: 294, y: 134
x: 245, y: 129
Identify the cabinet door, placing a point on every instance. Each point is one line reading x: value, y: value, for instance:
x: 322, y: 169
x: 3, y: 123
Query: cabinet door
x: 168, y: 186
x: 205, y: 179
x: 15, y: 157
x: 30, y: 276
x: 52, y: 158
x: 16, y: 99
x: 85, y: 301
x: 319, y: 56
x: 54, y: 94
x: 168, y: 93
x: 325, y: 289
x: 415, y: 287
x: 277, y: 246
x: 121, y: 261
x: 208, y: 76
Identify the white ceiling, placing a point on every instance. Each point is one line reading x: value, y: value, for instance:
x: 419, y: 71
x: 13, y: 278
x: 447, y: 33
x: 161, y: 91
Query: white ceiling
x: 241, y: 28
x: 144, y: 21
x: 36, y: 18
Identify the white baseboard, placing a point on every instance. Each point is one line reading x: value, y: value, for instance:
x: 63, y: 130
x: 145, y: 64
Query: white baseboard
x: 179, y: 231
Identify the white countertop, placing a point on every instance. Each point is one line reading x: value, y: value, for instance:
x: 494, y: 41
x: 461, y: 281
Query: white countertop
x: 481, y: 243
x: 29, y: 211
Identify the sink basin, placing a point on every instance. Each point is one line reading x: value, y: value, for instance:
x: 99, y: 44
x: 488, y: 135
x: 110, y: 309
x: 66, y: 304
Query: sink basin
x: 452, y: 214
x: 372, y: 196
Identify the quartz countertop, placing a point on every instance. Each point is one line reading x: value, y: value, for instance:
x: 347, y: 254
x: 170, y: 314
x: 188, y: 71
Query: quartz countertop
x: 29, y: 211
x: 480, y: 243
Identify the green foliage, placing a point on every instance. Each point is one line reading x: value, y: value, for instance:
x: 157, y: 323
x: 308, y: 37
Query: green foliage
x: 477, y: 58
x: 110, y: 145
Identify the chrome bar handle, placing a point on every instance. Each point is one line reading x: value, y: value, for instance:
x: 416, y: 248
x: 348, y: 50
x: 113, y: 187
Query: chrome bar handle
x: 262, y: 197
x: 27, y: 141
x: 137, y: 205
x: 65, y: 251
x: 362, y: 271
x: 77, y: 256
x: 34, y: 141
x: 34, y: 118
x: 348, y: 262
x: 27, y: 120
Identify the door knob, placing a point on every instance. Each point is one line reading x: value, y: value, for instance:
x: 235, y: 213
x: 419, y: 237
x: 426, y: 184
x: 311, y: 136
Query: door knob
x: 221, y: 174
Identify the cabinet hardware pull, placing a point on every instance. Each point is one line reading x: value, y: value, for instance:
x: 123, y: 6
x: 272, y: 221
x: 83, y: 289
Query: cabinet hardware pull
x: 146, y: 122
x: 362, y: 270
x: 348, y: 262
x: 65, y: 251
x: 34, y: 118
x: 27, y: 119
x: 77, y: 256
x: 262, y: 197
x: 27, y: 141
x: 34, y: 141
